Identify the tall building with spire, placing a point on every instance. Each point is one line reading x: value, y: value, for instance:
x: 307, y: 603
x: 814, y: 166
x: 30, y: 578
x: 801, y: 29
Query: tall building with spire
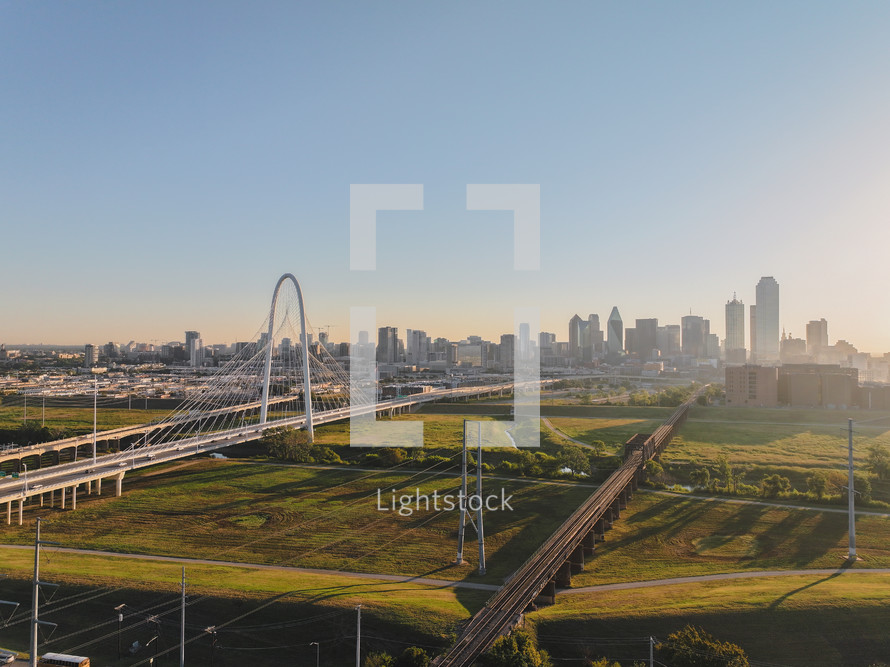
x: 615, y: 332
x: 735, y: 332
x: 765, y: 345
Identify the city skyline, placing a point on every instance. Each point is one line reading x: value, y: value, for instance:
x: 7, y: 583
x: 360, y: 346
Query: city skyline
x: 170, y: 162
x: 560, y: 331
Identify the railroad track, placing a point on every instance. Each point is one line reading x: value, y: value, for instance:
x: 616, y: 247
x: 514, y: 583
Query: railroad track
x: 504, y: 610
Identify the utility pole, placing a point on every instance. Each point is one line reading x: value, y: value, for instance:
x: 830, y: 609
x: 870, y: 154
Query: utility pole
x: 463, y: 502
x: 95, y: 406
x: 35, y: 595
x: 358, y: 638
x: 850, y: 500
x: 120, y: 619
x: 182, y: 625
x: 480, y: 530
x: 651, y: 651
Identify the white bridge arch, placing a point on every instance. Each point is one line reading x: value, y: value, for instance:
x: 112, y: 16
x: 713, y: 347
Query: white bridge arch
x: 304, y: 344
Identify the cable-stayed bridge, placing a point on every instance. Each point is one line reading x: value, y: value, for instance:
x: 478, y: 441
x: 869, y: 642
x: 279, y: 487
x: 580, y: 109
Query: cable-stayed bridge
x: 263, y: 386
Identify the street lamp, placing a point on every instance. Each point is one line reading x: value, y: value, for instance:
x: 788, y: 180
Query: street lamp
x: 157, y: 622
x: 151, y: 660
x: 120, y: 619
x: 317, y: 649
x: 212, y: 631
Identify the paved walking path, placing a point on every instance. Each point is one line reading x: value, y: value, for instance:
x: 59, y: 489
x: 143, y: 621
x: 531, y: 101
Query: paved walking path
x: 441, y: 583
x: 563, y: 435
x: 719, y: 577
x: 740, y: 501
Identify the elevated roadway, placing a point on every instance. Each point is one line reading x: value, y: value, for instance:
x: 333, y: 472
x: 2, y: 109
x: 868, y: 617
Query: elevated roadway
x: 63, y: 479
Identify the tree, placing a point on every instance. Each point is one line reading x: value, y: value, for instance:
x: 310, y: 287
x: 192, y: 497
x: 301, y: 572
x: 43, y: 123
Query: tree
x: 288, y: 443
x: 817, y: 483
x: 654, y: 471
x: 391, y: 456
x: 598, y: 447
x: 773, y: 485
x: 724, y: 471
x: 878, y: 461
x: 378, y: 659
x: 693, y: 647
x: 413, y: 656
x: 573, y: 458
x: 700, y: 477
x: 515, y: 650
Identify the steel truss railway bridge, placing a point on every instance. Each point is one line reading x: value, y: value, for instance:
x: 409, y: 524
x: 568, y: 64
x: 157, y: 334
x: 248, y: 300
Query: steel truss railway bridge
x: 263, y: 387
x: 562, y: 554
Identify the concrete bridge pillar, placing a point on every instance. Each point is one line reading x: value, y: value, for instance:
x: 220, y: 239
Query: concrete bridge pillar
x: 99, y: 487
x: 548, y: 595
x: 589, y: 544
x: 52, y: 497
x: 622, y: 500
x: 563, y: 576
x: 21, y: 510
x: 608, y: 518
x: 599, y: 530
x: 616, y: 509
x: 74, y: 497
x: 62, y: 505
x: 119, y: 485
x: 89, y: 485
x: 8, y: 512
x: 577, y: 559
x: 41, y: 499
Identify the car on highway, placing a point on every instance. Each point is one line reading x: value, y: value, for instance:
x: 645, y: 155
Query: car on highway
x: 7, y: 657
x: 34, y: 487
x: 122, y: 464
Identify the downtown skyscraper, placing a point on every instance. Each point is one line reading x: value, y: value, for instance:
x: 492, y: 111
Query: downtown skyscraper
x: 735, y: 332
x: 765, y: 341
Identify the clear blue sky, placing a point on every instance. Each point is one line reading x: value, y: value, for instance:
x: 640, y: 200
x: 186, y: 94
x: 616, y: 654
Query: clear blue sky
x: 162, y: 163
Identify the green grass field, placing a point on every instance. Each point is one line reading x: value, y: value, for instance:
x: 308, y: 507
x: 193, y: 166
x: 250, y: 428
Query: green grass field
x: 662, y: 536
x: 793, y: 443
x: 76, y: 420
x: 288, y: 515
x: 260, y: 512
x: 255, y: 611
x: 796, y: 621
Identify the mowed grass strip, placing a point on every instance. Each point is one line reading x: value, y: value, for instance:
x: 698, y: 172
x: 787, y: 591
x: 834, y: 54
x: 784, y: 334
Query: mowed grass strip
x: 795, y: 620
x: 661, y: 537
x: 613, y: 431
x: 254, y: 609
x: 77, y: 420
x: 289, y: 515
